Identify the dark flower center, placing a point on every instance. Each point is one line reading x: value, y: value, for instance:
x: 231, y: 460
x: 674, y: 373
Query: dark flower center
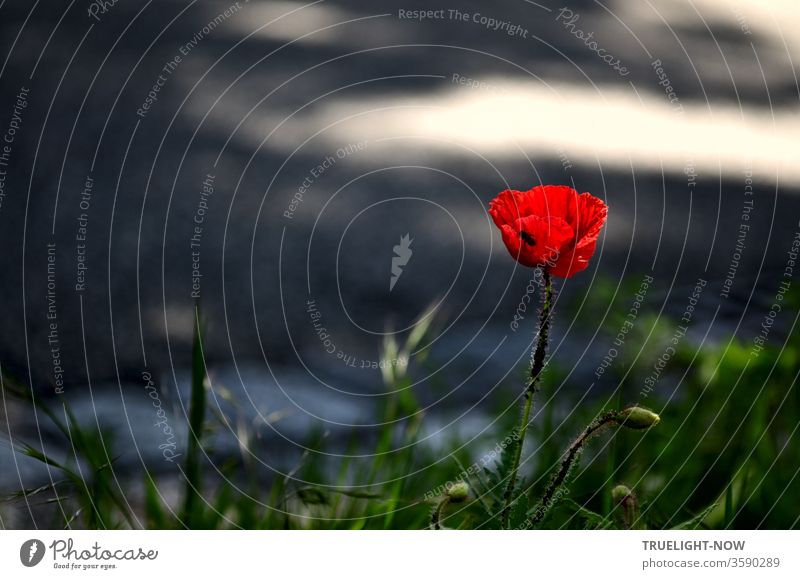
x: 527, y: 238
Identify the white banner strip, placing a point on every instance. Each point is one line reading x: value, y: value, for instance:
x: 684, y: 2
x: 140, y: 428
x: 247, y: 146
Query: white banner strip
x: 400, y: 554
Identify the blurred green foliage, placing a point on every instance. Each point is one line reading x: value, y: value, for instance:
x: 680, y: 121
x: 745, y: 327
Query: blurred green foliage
x: 725, y: 454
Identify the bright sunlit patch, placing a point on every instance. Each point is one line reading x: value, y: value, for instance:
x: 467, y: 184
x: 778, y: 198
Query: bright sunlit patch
x: 610, y: 126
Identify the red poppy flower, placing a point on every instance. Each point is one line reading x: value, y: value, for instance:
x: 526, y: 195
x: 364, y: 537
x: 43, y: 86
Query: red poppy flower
x: 550, y: 226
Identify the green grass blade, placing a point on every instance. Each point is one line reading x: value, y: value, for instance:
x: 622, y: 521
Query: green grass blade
x: 197, y: 411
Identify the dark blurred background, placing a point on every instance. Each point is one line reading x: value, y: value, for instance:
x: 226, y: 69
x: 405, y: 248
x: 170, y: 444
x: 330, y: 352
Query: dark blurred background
x: 269, y: 156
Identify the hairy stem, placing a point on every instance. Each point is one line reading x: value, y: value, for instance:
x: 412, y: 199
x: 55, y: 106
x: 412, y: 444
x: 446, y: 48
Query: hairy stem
x: 530, y: 391
x: 566, y: 464
x: 436, y: 513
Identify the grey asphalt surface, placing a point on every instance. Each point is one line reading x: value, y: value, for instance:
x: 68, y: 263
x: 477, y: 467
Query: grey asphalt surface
x: 223, y: 140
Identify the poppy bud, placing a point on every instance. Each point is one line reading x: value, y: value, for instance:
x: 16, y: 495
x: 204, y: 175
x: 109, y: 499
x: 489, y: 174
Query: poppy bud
x: 638, y: 418
x: 620, y: 492
x: 457, y: 493
x: 624, y: 497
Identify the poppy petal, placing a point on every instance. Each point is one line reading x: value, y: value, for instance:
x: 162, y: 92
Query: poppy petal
x: 592, y: 214
x: 550, y: 226
x: 536, y: 241
x: 505, y: 209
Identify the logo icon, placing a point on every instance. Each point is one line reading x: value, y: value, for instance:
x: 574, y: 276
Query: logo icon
x: 402, y: 253
x: 32, y: 552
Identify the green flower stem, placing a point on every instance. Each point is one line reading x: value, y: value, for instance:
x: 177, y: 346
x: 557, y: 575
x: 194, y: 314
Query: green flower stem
x: 436, y: 513
x: 566, y: 464
x: 530, y: 391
